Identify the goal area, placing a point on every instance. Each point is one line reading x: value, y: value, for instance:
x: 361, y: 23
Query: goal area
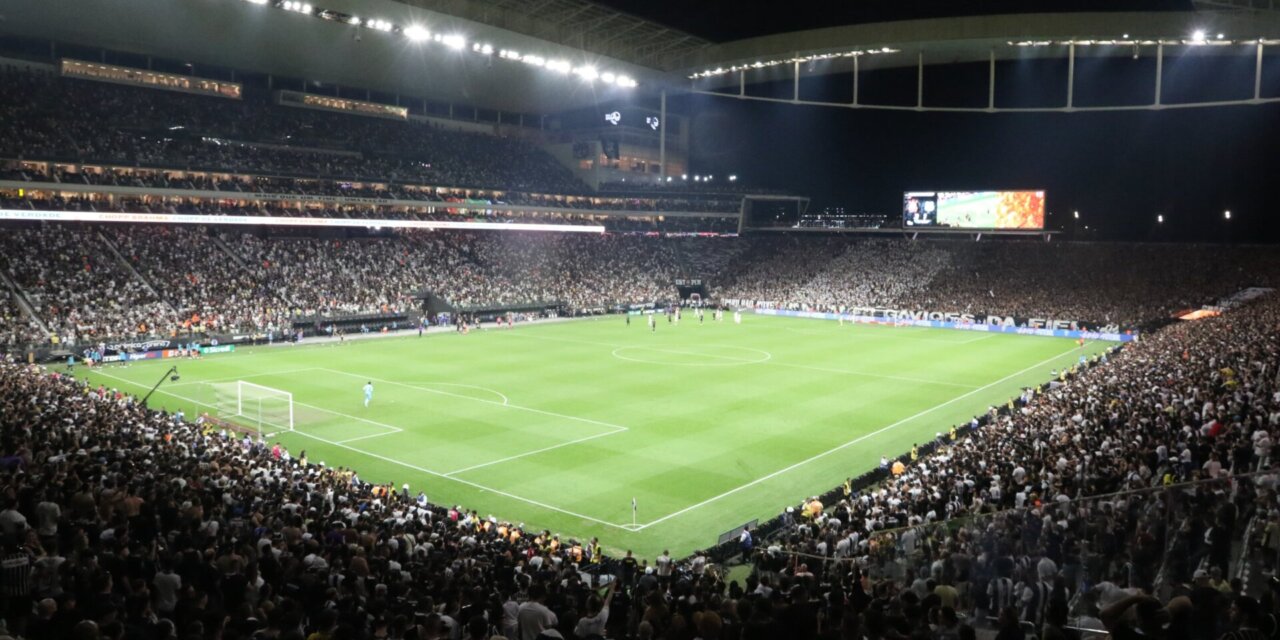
x: 265, y: 409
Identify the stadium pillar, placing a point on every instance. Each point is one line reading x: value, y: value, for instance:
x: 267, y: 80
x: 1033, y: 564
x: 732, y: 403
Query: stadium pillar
x: 1071, y: 74
x: 1159, y: 71
x: 795, y: 84
x: 991, y: 82
x: 1257, y: 74
x: 662, y: 136
x: 920, y: 80
x: 855, y: 81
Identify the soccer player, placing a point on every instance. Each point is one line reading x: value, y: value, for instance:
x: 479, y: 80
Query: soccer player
x: 368, y: 392
x: 628, y: 319
x: 653, y: 323
x: 737, y: 317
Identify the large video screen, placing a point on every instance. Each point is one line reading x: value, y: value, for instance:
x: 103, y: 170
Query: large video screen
x: 973, y: 209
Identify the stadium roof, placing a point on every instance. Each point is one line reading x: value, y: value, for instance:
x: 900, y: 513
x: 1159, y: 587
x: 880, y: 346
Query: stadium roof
x: 603, y: 38
x: 581, y: 24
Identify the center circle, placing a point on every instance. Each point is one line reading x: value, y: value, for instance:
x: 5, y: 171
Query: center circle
x: 702, y: 356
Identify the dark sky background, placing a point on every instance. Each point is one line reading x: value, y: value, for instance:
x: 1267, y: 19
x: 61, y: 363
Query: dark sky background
x: 1119, y: 169
x: 723, y: 20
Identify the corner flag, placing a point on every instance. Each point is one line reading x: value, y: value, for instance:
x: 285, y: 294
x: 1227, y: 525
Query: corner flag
x: 633, y: 505
x: 633, y: 512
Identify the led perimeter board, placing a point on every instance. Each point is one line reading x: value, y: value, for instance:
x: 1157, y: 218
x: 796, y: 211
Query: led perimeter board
x: 973, y: 209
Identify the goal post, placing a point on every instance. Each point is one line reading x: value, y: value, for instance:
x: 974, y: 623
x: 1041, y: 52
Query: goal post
x: 253, y: 405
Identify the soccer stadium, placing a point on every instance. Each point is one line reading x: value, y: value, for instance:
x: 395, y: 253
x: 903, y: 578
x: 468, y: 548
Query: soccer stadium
x: 606, y: 319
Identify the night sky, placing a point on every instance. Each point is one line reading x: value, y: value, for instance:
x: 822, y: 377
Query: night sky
x: 1120, y: 170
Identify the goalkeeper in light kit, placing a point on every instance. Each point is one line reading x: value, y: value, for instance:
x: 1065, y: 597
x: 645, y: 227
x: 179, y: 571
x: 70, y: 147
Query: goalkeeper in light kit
x: 368, y: 392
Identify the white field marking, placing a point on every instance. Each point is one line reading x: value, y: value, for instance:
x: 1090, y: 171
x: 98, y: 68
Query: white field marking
x: 465, y: 482
x: 240, y: 377
x: 553, y: 414
x: 863, y: 374
x: 530, y: 453
x: 878, y: 375
x: 375, y: 435
x: 849, y: 443
x: 505, y: 400
x: 731, y: 361
x: 979, y: 339
x: 390, y: 428
x: 403, y: 463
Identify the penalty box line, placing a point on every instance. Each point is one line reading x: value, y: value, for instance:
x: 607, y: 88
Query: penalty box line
x: 391, y: 429
x: 407, y: 465
x: 850, y: 443
x: 613, y: 428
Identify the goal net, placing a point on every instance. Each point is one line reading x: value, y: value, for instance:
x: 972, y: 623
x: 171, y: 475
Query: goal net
x: 253, y: 405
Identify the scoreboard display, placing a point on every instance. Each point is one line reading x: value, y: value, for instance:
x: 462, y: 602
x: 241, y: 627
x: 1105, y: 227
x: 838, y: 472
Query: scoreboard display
x: 973, y: 209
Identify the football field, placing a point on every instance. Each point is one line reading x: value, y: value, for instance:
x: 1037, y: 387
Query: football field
x: 561, y: 425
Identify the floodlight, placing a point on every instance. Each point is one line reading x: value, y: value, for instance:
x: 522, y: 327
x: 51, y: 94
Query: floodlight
x: 454, y: 41
x: 416, y: 33
x: 733, y: 178
x: 587, y: 73
x: 608, y: 77
x: 626, y: 81
x: 1160, y: 218
x: 1076, y: 214
x: 1226, y: 214
x: 487, y: 49
x: 561, y: 66
x: 1198, y: 36
x: 353, y: 21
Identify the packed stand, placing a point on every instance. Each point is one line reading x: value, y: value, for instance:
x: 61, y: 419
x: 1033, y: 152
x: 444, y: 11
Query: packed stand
x: 1125, y: 285
x: 80, y: 289
x: 210, y: 291
x: 123, y: 522
x: 1131, y: 494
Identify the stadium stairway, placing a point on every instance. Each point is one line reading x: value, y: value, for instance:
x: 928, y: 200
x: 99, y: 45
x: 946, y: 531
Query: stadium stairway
x: 24, y: 303
x: 129, y: 267
x: 217, y: 240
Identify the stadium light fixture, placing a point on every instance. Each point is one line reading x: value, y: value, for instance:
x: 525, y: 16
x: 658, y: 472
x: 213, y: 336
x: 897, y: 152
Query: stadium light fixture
x: 608, y: 78
x: 416, y: 33
x: 627, y: 81
x: 256, y: 1
x: 454, y: 41
x: 684, y: 176
x: 1226, y: 214
x: 1160, y: 218
x: 587, y: 73
x: 1076, y: 214
x: 733, y: 178
x: 353, y: 21
x: 559, y: 66
x: 1198, y: 37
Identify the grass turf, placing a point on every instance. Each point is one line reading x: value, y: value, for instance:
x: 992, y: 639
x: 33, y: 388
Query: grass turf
x: 560, y: 425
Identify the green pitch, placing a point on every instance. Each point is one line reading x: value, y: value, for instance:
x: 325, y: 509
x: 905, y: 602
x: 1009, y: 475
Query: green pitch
x: 560, y: 425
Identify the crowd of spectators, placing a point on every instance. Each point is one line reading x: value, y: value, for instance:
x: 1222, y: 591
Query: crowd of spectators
x: 90, y: 283
x: 1133, y: 495
x: 43, y: 116
x: 120, y: 522
x: 1123, y: 285
x: 78, y: 287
